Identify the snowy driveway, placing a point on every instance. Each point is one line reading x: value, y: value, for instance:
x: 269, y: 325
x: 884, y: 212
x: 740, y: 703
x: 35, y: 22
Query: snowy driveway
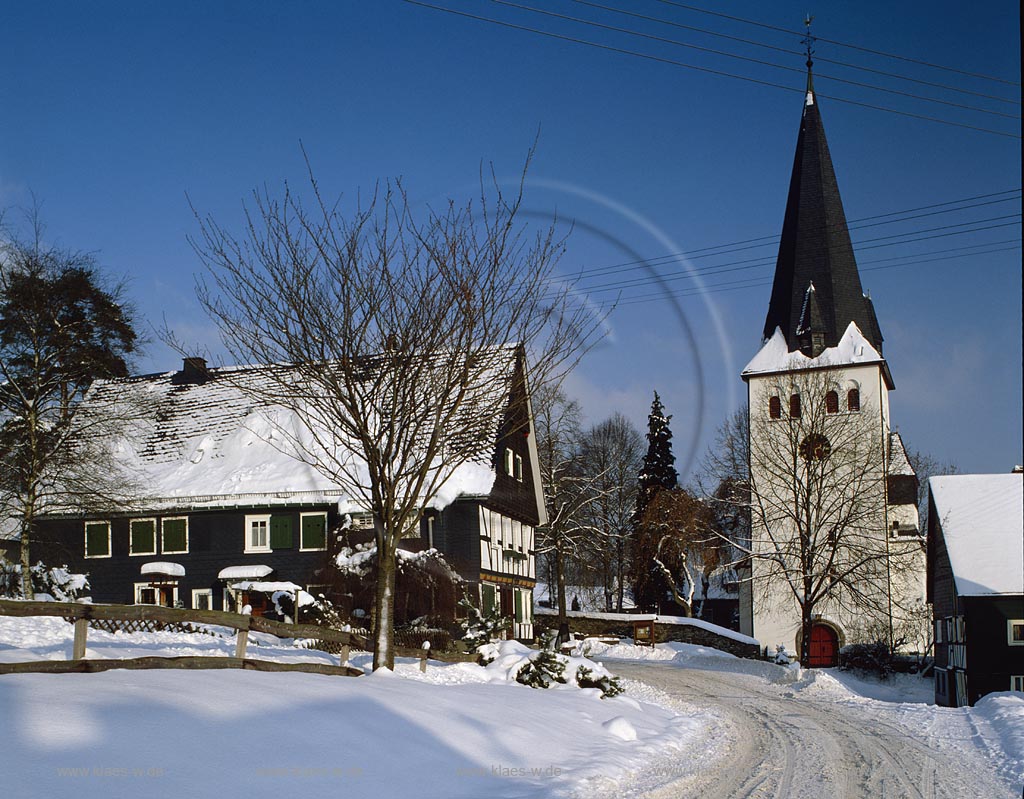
x: 787, y: 742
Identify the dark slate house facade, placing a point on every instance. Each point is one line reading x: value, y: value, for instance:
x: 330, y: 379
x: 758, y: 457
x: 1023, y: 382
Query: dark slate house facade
x: 976, y: 585
x: 220, y: 515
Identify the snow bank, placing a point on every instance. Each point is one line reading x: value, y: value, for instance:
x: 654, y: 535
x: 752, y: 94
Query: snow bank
x: 1004, y: 713
x: 458, y: 731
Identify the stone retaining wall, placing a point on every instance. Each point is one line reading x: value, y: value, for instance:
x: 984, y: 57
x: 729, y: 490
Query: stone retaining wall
x: 664, y: 631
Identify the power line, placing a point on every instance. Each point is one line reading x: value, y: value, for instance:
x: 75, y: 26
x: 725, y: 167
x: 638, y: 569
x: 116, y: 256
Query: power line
x: 791, y: 52
x: 755, y: 282
x: 765, y: 241
x: 720, y: 73
x: 753, y: 263
x: 838, y: 43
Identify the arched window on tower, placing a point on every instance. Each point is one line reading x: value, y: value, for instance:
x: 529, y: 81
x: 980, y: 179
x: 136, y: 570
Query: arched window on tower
x: 794, y: 406
x: 775, y: 408
x: 853, y: 399
x: 832, y: 402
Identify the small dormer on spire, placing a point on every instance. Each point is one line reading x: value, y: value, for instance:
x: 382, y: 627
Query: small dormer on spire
x: 810, y: 330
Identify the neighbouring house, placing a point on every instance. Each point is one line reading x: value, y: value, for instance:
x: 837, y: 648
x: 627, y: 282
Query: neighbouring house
x: 219, y: 515
x: 821, y: 363
x: 976, y: 584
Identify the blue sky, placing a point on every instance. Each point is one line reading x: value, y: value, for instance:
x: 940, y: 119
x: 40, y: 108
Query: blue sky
x: 115, y: 114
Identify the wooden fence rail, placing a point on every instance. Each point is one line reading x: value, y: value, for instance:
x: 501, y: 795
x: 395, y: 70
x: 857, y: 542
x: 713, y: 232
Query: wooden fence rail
x: 81, y: 614
x: 339, y: 641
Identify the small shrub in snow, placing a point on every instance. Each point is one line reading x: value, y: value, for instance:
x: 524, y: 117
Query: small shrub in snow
x: 874, y: 658
x: 55, y: 582
x: 608, y: 684
x: 780, y: 655
x: 479, y: 629
x: 543, y: 669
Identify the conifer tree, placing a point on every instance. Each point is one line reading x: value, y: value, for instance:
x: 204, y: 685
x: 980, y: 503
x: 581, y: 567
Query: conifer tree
x: 657, y: 472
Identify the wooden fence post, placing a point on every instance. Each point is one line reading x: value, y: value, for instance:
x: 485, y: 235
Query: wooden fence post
x: 240, y: 643
x: 345, y: 651
x: 424, y: 654
x: 81, y: 631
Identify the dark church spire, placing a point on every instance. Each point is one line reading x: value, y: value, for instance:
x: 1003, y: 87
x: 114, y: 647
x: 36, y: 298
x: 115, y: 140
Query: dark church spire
x: 815, y: 253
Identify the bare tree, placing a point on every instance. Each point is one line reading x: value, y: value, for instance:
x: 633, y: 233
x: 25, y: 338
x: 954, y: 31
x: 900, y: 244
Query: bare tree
x: 817, y: 500
x: 610, y: 455
x: 568, y: 491
x: 60, y: 328
x: 399, y: 325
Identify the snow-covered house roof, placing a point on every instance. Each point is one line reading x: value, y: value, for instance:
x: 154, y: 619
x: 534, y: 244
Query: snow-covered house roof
x: 207, y: 441
x: 899, y: 463
x: 774, y: 357
x: 981, y: 520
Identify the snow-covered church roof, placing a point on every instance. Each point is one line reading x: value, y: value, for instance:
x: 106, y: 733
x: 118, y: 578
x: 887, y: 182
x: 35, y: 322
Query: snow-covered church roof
x: 211, y: 442
x: 981, y: 519
x: 774, y: 356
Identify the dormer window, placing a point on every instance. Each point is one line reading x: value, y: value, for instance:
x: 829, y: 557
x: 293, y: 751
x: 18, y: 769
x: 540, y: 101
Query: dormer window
x: 794, y: 406
x: 775, y: 408
x: 853, y: 399
x: 518, y: 468
x: 832, y: 402
x: 509, y: 461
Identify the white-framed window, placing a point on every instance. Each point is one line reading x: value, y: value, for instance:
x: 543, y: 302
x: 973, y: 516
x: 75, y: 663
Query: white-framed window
x: 518, y: 468
x: 202, y: 599
x: 142, y: 537
x: 162, y: 594
x: 257, y: 533
x: 1015, y: 632
x: 509, y: 461
x: 312, y: 532
x: 174, y: 535
x: 97, y: 539
x: 1017, y: 682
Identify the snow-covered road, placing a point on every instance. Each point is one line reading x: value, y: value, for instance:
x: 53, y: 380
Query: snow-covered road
x: 777, y: 742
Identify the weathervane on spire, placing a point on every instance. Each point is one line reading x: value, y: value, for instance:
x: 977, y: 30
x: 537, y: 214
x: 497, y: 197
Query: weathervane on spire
x: 809, y: 41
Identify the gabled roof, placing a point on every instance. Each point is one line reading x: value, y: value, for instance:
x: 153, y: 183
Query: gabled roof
x: 207, y: 441
x: 815, y: 247
x: 899, y: 463
x: 981, y: 520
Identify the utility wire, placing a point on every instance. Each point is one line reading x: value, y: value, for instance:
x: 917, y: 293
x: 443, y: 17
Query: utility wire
x: 765, y: 241
x: 754, y: 282
x: 789, y: 51
x: 838, y: 43
x: 748, y: 59
x: 721, y: 73
x: 868, y: 244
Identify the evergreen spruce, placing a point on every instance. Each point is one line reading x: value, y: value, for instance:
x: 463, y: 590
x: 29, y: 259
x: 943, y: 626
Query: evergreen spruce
x: 657, y: 472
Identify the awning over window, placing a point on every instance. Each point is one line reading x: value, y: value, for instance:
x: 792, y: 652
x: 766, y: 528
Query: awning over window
x: 252, y: 571
x: 163, y: 569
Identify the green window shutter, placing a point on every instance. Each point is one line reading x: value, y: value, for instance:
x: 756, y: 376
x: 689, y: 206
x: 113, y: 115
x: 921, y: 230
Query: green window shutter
x: 519, y: 606
x: 143, y: 535
x: 314, y: 532
x: 488, y: 598
x: 97, y: 539
x: 175, y: 537
x: 280, y: 532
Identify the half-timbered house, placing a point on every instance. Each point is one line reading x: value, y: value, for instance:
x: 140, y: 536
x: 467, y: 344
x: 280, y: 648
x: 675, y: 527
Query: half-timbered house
x: 218, y: 513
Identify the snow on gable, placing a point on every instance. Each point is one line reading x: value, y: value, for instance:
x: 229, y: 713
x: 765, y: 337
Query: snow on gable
x: 981, y: 519
x: 775, y: 356
x: 899, y: 463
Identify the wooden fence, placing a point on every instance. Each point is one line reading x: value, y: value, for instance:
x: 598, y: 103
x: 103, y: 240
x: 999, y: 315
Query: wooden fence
x: 146, y: 617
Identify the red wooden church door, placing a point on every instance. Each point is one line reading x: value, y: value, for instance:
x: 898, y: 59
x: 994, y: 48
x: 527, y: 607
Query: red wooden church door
x: 824, y: 647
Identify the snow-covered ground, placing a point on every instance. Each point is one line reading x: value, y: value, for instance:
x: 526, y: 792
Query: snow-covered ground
x: 863, y: 735
x: 458, y: 730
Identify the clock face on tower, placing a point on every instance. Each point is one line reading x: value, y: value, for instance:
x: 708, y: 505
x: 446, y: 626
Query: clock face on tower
x: 815, y: 447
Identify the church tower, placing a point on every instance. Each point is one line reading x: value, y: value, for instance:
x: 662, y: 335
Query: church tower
x: 836, y: 554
